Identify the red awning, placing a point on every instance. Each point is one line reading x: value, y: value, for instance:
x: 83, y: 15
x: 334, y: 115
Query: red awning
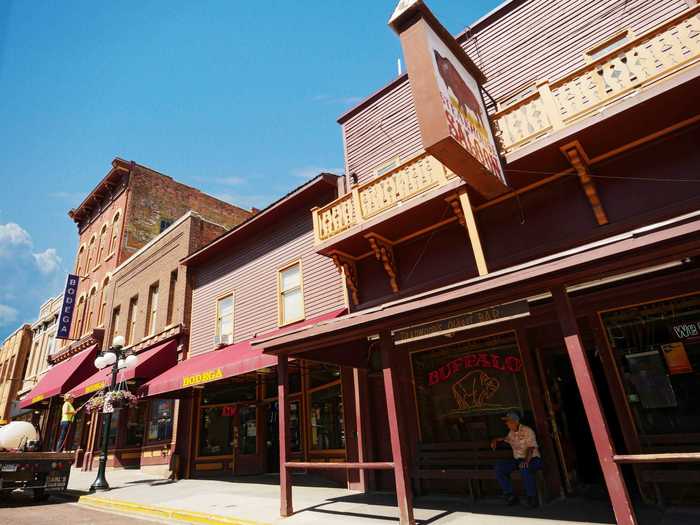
x: 151, y: 363
x: 62, y: 377
x: 239, y: 358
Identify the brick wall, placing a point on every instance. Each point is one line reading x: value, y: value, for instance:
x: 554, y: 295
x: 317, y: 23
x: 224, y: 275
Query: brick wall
x: 155, y: 197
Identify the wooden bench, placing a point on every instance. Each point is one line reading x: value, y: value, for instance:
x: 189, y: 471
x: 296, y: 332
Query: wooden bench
x: 472, y: 461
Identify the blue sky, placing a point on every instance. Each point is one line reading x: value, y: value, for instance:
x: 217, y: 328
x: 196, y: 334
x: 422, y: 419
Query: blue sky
x: 239, y: 99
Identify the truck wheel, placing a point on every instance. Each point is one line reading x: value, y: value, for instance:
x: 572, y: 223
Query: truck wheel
x: 39, y: 494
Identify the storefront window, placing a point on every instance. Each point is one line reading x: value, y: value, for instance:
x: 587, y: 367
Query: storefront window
x: 216, y: 431
x: 242, y: 388
x: 326, y: 418
x: 160, y: 420
x: 248, y: 430
x: 462, y: 390
x: 322, y: 374
x: 657, y: 347
x: 270, y: 382
x: 113, y: 429
x: 135, y: 419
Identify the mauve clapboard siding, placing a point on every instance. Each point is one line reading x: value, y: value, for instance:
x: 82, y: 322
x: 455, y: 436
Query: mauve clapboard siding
x: 536, y: 39
x: 541, y: 39
x: 385, y: 129
x: 250, y: 272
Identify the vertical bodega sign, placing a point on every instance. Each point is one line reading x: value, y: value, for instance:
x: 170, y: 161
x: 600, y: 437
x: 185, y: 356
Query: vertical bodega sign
x: 445, y: 84
x: 65, y: 318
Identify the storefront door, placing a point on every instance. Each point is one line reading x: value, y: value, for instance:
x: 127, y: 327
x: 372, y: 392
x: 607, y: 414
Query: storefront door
x: 567, y: 420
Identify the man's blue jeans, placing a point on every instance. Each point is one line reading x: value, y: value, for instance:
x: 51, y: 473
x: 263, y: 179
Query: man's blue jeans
x: 65, y: 425
x: 505, y: 467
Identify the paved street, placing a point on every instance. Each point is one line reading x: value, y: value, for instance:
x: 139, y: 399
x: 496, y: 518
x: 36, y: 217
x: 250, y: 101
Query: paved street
x: 22, y: 511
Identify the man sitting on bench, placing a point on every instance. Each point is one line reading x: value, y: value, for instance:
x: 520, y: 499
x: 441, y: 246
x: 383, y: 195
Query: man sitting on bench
x: 526, y: 457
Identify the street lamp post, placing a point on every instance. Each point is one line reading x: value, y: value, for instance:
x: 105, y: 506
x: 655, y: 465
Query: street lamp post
x: 113, y: 357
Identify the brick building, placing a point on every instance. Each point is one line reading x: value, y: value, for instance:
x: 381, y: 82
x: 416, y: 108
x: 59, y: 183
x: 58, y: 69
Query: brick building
x: 131, y: 205
x: 13, y: 360
x: 148, y: 302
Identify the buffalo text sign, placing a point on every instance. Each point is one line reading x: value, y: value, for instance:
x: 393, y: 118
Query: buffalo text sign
x: 65, y: 318
x: 445, y: 86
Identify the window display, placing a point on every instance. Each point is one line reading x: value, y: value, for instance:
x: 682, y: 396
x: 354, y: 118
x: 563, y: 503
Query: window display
x: 657, y: 347
x: 160, y: 420
x: 215, y: 431
x: 326, y: 419
x: 463, y: 389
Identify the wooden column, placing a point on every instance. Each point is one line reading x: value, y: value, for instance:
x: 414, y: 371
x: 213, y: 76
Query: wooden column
x: 619, y: 497
x: 283, y: 401
x: 364, y: 444
x: 404, y: 496
x: 540, y: 415
x: 473, y: 232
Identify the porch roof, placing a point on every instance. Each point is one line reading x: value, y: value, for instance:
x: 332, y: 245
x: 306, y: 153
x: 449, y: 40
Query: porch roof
x: 671, y: 239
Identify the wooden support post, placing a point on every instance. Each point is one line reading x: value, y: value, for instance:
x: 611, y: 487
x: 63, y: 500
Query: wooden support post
x: 364, y: 452
x: 286, y: 507
x: 619, y: 497
x: 473, y: 232
x: 404, y: 496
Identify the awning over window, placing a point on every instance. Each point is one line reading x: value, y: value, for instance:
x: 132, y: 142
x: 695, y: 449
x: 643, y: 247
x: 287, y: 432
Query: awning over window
x: 151, y: 363
x: 62, y: 377
x: 239, y: 358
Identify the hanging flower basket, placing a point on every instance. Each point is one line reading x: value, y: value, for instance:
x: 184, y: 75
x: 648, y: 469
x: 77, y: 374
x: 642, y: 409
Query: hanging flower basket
x: 117, y: 398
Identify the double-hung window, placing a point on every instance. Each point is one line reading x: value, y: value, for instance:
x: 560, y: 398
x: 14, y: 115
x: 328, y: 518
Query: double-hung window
x: 224, y: 317
x: 291, y: 296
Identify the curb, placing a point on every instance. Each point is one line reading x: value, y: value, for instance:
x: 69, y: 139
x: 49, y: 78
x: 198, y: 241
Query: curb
x: 168, y: 513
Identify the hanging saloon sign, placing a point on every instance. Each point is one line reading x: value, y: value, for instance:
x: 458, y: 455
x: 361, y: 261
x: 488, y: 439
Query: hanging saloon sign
x: 445, y: 85
x: 65, y: 318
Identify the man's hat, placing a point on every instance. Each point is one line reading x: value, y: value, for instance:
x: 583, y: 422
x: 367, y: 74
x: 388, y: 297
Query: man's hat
x: 513, y: 416
x: 68, y: 396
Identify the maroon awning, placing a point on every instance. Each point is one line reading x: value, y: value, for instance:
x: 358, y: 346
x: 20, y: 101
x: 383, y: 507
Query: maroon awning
x: 239, y: 358
x: 62, y: 377
x: 151, y: 363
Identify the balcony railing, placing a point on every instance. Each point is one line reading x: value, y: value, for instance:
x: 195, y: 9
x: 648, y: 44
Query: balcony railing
x: 378, y: 195
x: 649, y: 58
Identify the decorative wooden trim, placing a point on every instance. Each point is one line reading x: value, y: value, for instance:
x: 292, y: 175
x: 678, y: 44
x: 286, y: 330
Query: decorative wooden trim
x: 384, y: 252
x: 348, y: 269
x: 575, y: 154
x: 280, y: 317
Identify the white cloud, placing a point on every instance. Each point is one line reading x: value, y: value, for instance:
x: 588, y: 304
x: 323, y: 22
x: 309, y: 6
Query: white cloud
x: 309, y: 172
x: 8, y: 315
x: 48, y: 261
x: 29, y: 277
x: 12, y: 236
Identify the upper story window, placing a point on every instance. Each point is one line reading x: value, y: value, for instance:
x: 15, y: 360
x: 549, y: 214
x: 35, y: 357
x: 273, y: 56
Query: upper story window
x: 131, y: 320
x: 114, y: 324
x: 103, y: 302
x: 290, y: 294
x: 101, y: 246
x: 224, y: 317
x: 91, y: 254
x: 152, y: 313
x: 171, y: 297
x: 165, y: 224
x: 611, y: 43
x: 79, y: 263
x: 115, y: 233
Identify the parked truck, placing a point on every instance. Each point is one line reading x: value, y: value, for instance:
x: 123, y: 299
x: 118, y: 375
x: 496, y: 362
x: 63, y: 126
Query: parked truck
x: 23, y: 466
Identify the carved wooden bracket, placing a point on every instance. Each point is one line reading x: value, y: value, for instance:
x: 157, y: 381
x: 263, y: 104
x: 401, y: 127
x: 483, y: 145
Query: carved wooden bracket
x: 575, y: 154
x: 453, y: 200
x: 384, y: 252
x: 347, y: 267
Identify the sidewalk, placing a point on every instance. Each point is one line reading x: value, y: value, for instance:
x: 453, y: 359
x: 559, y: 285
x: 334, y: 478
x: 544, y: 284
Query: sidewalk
x: 255, y: 500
